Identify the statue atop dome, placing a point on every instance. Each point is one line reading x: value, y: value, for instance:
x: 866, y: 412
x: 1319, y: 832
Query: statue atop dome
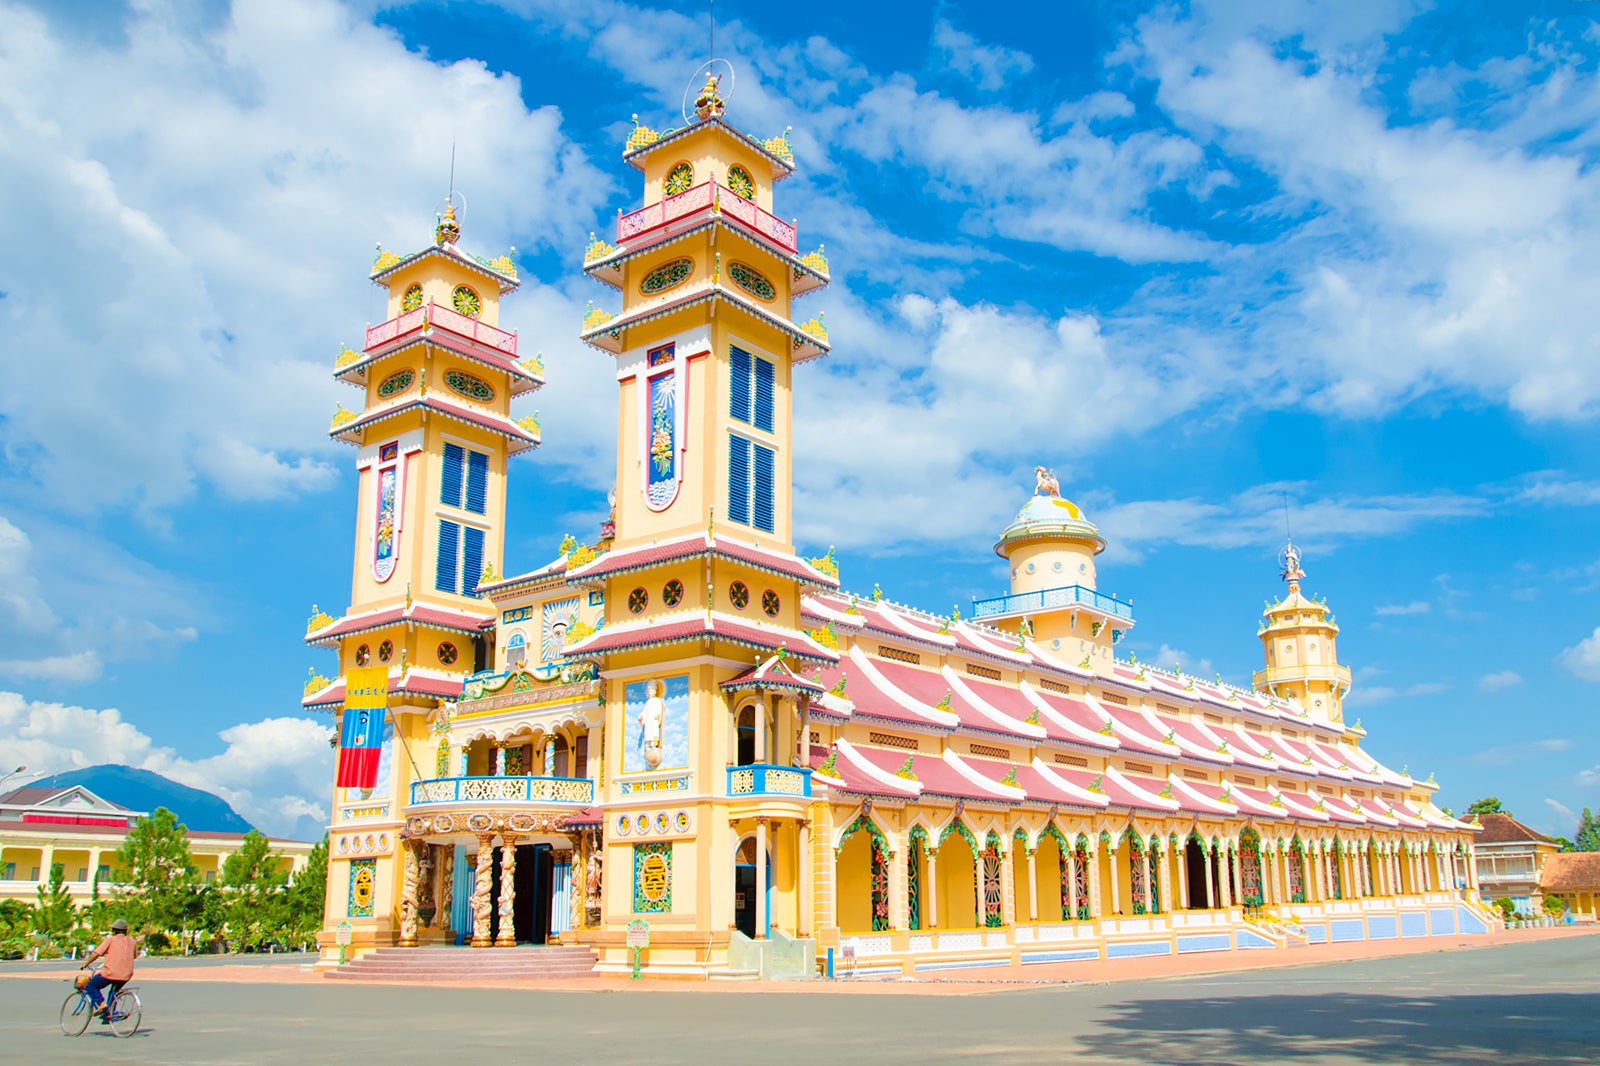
x: 1045, y: 483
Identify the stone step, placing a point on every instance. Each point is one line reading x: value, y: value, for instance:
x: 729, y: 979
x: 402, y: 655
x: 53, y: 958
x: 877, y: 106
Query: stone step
x: 446, y: 964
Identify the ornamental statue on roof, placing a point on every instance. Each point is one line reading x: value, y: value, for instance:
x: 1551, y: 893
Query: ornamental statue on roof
x: 448, y: 231
x: 1045, y: 483
x: 1289, y: 560
x: 709, y: 103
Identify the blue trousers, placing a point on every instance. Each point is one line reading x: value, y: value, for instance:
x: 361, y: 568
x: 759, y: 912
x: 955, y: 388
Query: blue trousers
x: 96, y: 983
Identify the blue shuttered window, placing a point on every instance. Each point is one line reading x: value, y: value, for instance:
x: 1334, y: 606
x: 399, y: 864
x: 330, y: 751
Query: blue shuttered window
x: 739, y: 385
x: 738, y: 480
x: 763, y: 506
x: 763, y: 418
x: 471, y: 559
x: 449, y: 548
x: 477, y: 482
x: 450, y: 476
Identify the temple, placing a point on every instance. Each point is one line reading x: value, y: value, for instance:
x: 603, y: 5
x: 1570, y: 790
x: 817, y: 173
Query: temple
x: 686, y: 734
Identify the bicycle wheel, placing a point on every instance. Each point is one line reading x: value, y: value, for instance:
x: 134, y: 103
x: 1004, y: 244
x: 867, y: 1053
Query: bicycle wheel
x: 126, y: 1011
x: 75, y: 1014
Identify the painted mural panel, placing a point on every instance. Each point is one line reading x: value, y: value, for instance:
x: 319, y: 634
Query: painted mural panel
x: 558, y: 618
x: 652, y: 878
x: 363, y: 874
x: 658, y: 725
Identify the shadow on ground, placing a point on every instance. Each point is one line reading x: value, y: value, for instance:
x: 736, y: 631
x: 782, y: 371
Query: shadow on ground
x: 1503, y: 1029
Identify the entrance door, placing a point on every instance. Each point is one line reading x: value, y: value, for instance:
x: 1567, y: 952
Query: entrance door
x: 535, y: 883
x: 1194, y: 858
x: 747, y: 736
x: 744, y: 898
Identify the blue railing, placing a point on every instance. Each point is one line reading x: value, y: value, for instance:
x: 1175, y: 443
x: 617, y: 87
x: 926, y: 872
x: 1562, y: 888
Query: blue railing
x: 765, y: 779
x: 1066, y: 596
x: 521, y: 788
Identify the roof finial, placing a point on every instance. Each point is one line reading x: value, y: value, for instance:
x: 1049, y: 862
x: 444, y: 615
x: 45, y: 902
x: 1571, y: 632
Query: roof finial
x: 1289, y: 558
x: 448, y: 231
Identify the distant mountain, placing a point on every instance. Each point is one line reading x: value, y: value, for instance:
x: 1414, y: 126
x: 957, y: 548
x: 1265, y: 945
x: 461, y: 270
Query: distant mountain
x: 144, y: 790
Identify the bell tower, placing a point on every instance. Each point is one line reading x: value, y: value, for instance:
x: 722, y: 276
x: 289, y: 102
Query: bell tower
x: 1299, y: 636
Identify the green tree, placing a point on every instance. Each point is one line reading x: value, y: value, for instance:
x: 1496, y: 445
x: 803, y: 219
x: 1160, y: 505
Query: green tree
x: 1588, y: 838
x: 55, y: 915
x: 161, y: 880
x: 256, y: 891
x: 1488, y: 805
x: 306, y: 894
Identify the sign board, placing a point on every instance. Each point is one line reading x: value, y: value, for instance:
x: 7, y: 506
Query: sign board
x: 638, y: 934
x: 342, y: 934
x: 847, y: 951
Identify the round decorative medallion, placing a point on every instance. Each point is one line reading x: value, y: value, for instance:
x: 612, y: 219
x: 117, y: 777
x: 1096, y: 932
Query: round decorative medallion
x: 363, y: 655
x: 770, y: 603
x: 752, y: 281
x: 469, y: 385
x: 1083, y: 568
x: 385, y: 651
x: 479, y: 823
x: 680, y: 179
x: 1056, y: 566
x: 465, y: 300
x: 442, y: 823
x: 663, y: 823
x: 683, y: 821
x: 740, y: 182
x: 638, y: 600
x: 672, y: 594
x: 447, y: 653
x: 641, y: 823
x: 739, y: 595
x: 411, y: 299
x: 1030, y: 568
x: 665, y: 276
x: 396, y: 383
x: 624, y: 826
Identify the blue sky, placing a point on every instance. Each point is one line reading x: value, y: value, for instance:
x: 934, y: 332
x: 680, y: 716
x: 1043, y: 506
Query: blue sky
x: 1196, y: 258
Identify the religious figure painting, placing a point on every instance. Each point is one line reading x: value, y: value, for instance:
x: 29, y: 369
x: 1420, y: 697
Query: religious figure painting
x: 657, y: 724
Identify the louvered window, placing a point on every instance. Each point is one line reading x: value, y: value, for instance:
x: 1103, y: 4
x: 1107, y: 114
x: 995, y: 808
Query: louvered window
x: 477, y: 482
x: 471, y: 559
x: 450, y: 476
x: 750, y: 390
x: 449, y: 549
x: 752, y: 472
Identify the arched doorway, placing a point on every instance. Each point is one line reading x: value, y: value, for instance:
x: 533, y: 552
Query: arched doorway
x: 744, y: 887
x: 1250, y: 868
x: 746, y: 732
x: 957, y: 890
x: 1051, y: 885
x: 1297, y: 872
x: 862, y: 882
x: 1194, y: 861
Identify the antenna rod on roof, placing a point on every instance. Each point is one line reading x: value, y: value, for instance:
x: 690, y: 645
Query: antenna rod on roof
x: 452, y: 169
x: 712, y: 5
x: 1286, y: 535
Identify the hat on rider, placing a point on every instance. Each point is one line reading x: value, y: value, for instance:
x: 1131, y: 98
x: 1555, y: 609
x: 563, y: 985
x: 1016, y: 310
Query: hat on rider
x: 119, y: 926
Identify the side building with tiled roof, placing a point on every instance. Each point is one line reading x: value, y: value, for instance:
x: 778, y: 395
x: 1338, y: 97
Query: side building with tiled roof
x: 1510, y: 861
x: 687, y: 724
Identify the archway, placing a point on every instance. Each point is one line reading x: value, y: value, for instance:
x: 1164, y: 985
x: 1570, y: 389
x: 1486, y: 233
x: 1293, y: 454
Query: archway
x: 1297, y: 872
x: 917, y: 877
x: 1137, y: 890
x: 1336, y: 870
x: 1050, y: 886
x: 862, y: 881
x: 1194, y: 861
x: 1080, y: 861
x: 957, y: 890
x: 1250, y: 868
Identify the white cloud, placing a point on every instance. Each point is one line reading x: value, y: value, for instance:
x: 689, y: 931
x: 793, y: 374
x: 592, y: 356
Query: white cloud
x: 1569, y: 817
x: 275, y: 772
x: 1361, y: 696
x: 987, y: 66
x: 1513, y: 754
x: 1414, y: 607
x: 1168, y: 658
x: 1499, y: 681
x: 198, y: 252
x: 1583, y: 658
x: 79, y: 666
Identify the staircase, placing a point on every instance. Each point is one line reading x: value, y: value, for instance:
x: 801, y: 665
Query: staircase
x: 470, y: 965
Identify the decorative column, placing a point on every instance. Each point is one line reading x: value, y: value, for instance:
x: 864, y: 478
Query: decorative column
x: 805, y: 868
x: 481, y: 887
x: 1269, y: 875
x: 980, y: 905
x: 1071, y: 910
x: 447, y: 888
x: 803, y: 754
x: 1149, y: 888
x: 1283, y: 875
x: 1008, y: 882
x: 1237, y: 893
x: 409, y: 887
x: 761, y: 846
x: 1096, y: 910
x: 1033, y: 887
x: 899, y: 886
x: 761, y: 756
x: 1225, y: 875
x: 1116, y: 891
x: 1210, y: 901
x: 1181, y: 862
x: 508, y: 891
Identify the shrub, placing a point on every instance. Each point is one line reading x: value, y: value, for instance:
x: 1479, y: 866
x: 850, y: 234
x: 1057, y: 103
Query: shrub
x: 1505, y: 907
x: 1553, y: 906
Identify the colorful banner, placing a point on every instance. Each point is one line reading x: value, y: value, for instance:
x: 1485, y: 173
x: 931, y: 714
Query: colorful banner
x: 366, y: 699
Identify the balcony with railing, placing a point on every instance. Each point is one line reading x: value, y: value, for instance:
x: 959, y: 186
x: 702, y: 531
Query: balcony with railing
x: 445, y: 318
x: 502, y: 791
x: 761, y: 780
x: 1045, y: 599
x: 689, y: 208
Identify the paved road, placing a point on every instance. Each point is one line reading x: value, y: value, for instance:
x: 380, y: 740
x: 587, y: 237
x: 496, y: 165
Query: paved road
x: 1521, y: 1003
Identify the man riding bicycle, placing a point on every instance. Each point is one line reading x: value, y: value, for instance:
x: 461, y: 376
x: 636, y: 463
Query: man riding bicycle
x: 118, y: 949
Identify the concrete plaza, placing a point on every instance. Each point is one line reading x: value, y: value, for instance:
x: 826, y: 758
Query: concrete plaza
x: 1526, y: 1001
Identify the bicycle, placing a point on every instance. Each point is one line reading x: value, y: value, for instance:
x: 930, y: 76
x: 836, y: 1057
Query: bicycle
x: 122, y: 1003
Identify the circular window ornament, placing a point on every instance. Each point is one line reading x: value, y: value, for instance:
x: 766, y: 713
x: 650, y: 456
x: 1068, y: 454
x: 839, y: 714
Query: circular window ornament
x: 447, y: 653
x: 469, y: 385
x: 396, y: 383
x: 1083, y: 568
x: 770, y: 603
x: 663, y: 822
x: 1030, y: 568
x: 386, y: 651
x: 1056, y: 566
x: 679, y: 179
x: 363, y: 655
x: 638, y: 600
x: 683, y: 821
x: 465, y: 300
x: 740, y: 183
x: 666, y: 276
x: 672, y: 594
x: 752, y: 281
x: 739, y: 595
x: 411, y: 299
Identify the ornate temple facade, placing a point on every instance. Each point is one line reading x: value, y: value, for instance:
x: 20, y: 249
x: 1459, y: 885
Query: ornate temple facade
x: 688, y: 723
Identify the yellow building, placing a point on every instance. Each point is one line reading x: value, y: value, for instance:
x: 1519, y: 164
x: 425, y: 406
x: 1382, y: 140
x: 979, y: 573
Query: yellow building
x: 44, y: 825
x: 689, y: 724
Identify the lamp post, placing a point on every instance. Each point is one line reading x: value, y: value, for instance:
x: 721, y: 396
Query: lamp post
x: 13, y: 773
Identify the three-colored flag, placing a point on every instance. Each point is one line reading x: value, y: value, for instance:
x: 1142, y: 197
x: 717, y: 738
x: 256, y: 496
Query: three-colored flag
x: 366, y: 701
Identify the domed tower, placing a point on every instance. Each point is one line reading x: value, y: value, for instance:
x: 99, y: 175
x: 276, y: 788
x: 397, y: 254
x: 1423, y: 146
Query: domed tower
x: 1298, y: 635
x: 1051, y: 548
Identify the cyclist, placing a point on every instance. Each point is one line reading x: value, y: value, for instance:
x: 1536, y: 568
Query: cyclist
x: 118, y: 950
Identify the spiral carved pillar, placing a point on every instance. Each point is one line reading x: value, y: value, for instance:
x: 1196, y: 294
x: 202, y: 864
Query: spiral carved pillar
x: 408, y: 894
x: 480, y: 891
x: 508, y: 871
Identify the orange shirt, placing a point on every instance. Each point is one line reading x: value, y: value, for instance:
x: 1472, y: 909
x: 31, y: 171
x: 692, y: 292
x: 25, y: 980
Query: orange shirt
x: 119, y: 950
